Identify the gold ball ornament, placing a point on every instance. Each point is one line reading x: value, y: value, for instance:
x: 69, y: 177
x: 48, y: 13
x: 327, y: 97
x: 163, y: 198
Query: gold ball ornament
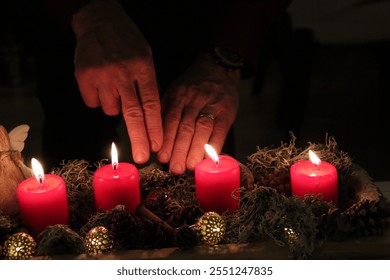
x: 99, y: 241
x: 19, y: 246
x: 212, y: 228
x: 291, y: 235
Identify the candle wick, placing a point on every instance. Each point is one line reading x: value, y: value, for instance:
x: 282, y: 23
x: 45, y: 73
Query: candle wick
x: 115, y: 166
x: 40, y: 179
x: 316, y: 168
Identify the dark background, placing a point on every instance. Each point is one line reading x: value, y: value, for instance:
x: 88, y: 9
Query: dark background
x: 325, y: 70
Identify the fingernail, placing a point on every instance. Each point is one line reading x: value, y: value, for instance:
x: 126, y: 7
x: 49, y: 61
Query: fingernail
x: 177, y: 168
x: 163, y: 157
x: 192, y: 163
x: 140, y: 157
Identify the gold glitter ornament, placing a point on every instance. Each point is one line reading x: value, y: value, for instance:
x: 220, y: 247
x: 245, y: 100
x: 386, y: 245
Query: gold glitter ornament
x: 99, y: 241
x: 212, y: 228
x: 19, y: 246
x: 291, y: 235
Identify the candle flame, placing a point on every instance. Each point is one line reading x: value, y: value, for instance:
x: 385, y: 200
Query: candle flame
x: 114, y: 156
x: 212, y: 153
x: 314, y: 158
x: 37, y: 170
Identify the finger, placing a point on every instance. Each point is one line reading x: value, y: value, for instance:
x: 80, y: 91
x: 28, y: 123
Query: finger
x: 109, y: 99
x: 135, y: 124
x: 150, y: 101
x: 171, y: 123
x: 172, y: 111
x: 88, y: 90
x: 219, y: 133
x: 183, y: 140
x: 203, y: 130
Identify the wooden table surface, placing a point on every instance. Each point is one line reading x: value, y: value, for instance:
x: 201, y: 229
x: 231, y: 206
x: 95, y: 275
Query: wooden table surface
x: 373, y: 247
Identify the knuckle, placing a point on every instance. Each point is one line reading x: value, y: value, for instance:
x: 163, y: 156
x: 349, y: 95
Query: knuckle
x: 204, y: 123
x: 186, y: 128
x: 151, y: 105
x: 132, y: 113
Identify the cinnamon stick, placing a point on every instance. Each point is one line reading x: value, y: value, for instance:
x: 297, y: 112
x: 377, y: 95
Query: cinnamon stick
x: 144, y: 213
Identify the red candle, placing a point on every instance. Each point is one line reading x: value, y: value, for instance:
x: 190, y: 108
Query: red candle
x: 315, y: 177
x: 216, y: 179
x: 42, y: 200
x: 116, y: 184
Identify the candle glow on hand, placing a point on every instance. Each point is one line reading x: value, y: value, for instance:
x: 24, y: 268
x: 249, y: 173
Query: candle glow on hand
x: 212, y: 153
x: 37, y: 170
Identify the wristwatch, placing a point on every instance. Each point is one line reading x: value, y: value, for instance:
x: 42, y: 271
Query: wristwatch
x: 228, y: 59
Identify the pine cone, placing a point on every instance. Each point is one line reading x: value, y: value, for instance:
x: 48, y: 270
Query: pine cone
x: 60, y: 240
x: 369, y: 221
x: 363, y: 218
x: 123, y: 228
x: 7, y: 225
x: 187, y: 237
x: 156, y: 201
x: 185, y: 216
x: 99, y: 219
x: 153, y: 234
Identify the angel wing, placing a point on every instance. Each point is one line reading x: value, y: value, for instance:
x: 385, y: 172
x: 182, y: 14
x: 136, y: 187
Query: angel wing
x: 17, y: 137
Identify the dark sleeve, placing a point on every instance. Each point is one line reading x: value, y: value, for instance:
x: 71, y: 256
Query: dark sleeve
x: 241, y: 25
x: 61, y: 11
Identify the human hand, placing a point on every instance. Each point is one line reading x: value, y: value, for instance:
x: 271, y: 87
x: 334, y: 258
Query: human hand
x: 114, y: 69
x: 199, y: 108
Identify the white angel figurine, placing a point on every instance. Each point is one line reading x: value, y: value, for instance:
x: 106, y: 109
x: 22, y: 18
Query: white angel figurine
x: 12, y: 168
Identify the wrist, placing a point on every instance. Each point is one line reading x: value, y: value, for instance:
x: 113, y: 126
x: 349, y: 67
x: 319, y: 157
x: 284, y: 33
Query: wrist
x: 207, y: 60
x: 94, y: 12
x: 228, y: 59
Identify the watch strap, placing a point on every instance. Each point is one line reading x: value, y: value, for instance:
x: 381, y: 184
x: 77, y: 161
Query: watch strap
x: 228, y: 59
